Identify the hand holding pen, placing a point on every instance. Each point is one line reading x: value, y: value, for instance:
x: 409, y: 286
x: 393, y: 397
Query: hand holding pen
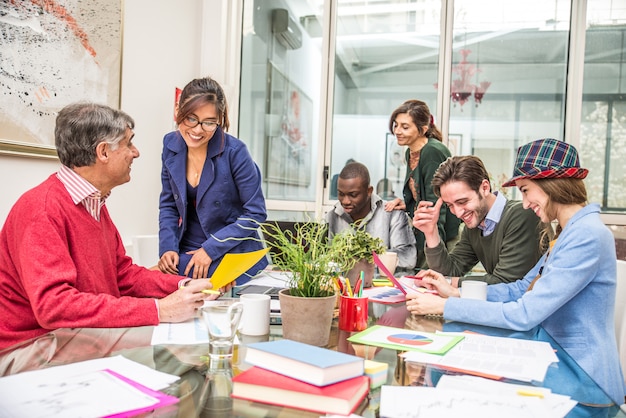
x: 181, y: 305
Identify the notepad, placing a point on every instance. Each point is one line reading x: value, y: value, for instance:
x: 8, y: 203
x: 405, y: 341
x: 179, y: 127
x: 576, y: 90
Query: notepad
x: 406, y: 339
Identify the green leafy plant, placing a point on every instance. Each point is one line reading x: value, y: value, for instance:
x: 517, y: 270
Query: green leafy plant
x: 314, y: 259
x: 305, y: 252
x: 355, y: 244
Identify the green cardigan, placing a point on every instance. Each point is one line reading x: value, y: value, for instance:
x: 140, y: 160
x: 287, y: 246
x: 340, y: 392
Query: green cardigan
x: 507, y: 254
x: 431, y: 156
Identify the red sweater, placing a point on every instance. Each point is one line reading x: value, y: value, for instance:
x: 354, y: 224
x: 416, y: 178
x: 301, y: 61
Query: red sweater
x: 60, y: 268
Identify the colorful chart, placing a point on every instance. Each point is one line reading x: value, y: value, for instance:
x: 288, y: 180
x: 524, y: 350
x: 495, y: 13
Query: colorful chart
x: 410, y: 339
x: 384, y: 295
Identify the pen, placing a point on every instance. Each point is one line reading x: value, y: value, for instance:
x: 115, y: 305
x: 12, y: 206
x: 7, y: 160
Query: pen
x: 208, y: 291
x: 348, y: 287
x: 338, y: 285
x: 357, y: 286
x: 525, y: 392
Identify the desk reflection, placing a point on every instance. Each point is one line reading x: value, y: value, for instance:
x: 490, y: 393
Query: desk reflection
x: 189, y: 362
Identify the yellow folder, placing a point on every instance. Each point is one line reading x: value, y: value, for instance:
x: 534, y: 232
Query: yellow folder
x: 234, y: 265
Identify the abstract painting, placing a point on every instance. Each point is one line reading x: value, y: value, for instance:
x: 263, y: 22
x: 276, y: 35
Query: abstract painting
x: 289, y: 151
x: 53, y: 53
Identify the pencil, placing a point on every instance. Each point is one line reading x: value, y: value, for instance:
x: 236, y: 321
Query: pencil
x: 337, y: 285
x: 348, y: 287
x: 362, y: 281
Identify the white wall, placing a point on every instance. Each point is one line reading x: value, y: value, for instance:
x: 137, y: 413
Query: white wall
x: 161, y: 51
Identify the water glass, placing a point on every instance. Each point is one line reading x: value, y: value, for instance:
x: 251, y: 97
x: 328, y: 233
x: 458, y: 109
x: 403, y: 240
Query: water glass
x: 222, y: 322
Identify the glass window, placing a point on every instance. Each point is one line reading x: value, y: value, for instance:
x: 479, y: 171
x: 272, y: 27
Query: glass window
x: 316, y: 93
x: 509, y: 70
x: 386, y: 52
x: 603, y: 117
x: 280, y: 94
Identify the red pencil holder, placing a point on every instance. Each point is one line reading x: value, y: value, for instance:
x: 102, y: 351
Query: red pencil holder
x: 352, y: 314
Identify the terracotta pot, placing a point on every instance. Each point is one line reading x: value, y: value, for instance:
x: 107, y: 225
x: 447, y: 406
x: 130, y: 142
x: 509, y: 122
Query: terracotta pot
x: 355, y: 272
x: 306, y: 320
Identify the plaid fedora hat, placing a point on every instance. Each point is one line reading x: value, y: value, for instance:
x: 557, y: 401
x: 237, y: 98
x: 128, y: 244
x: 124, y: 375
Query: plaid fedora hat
x: 546, y: 159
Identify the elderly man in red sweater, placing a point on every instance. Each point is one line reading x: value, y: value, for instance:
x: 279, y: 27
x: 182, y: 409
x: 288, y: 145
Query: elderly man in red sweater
x: 62, y: 261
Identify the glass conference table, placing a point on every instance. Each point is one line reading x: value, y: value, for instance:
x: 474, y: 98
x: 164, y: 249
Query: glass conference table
x: 66, y: 346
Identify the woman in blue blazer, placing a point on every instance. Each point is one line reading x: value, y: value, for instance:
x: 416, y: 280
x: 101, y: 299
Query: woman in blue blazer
x: 211, y: 200
x: 571, y: 290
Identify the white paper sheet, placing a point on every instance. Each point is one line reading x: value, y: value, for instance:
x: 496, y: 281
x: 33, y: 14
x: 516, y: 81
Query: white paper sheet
x: 190, y: 332
x: 193, y: 331
x: 559, y: 405
x: 523, y: 360
x: 141, y: 374
x: 88, y: 394
x: 427, y: 402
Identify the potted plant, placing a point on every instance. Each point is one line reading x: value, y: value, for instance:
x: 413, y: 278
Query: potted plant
x: 307, y: 253
x: 308, y: 302
x: 314, y: 261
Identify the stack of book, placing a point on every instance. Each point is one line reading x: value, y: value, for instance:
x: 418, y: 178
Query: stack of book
x: 296, y: 375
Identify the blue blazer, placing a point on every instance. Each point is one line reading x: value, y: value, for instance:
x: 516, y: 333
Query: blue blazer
x: 230, y: 202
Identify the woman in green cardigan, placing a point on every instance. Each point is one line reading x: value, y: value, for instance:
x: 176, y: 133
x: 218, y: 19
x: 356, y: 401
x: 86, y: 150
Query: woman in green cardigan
x: 413, y: 126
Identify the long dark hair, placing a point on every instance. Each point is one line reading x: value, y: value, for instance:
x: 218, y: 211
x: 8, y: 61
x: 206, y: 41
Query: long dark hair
x: 420, y: 113
x: 200, y: 92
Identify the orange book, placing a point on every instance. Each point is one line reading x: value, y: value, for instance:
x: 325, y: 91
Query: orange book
x: 260, y: 385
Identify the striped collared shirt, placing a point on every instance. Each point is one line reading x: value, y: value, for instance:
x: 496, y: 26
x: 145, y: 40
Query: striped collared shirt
x: 81, y: 191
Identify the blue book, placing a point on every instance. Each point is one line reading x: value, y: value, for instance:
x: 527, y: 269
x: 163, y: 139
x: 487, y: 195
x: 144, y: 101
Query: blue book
x: 307, y: 363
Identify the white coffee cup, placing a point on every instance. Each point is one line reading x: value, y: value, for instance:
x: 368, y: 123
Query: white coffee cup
x: 474, y: 289
x: 390, y: 260
x: 256, y: 314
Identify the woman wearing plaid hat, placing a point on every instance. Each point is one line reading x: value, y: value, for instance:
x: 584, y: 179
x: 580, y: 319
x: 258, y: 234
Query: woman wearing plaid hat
x: 571, y: 290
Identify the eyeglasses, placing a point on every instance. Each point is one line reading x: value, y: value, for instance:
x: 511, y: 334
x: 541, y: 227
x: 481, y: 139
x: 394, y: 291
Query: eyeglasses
x: 207, y: 125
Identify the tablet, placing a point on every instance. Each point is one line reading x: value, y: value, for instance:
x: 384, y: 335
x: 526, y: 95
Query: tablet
x: 259, y: 290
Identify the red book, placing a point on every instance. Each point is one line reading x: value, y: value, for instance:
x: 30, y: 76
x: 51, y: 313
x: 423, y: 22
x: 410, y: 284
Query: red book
x: 261, y: 385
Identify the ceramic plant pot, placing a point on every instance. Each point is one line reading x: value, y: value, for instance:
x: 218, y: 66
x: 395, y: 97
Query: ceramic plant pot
x: 306, y: 320
x: 355, y: 272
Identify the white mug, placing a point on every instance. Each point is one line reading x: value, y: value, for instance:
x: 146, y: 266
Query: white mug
x: 474, y: 289
x: 390, y: 260
x: 256, y: 314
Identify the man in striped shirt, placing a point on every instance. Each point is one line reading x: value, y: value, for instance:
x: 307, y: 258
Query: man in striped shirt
x: 62, y: 260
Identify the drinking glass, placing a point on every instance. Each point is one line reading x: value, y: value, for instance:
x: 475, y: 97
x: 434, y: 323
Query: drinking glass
x: 222, y: 322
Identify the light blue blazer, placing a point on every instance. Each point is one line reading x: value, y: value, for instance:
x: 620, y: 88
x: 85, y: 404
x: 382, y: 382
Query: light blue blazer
x: 229, y: 200
x: 574, y: 300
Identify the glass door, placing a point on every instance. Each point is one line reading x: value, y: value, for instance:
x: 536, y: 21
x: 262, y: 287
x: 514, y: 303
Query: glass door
x: 386, y: 52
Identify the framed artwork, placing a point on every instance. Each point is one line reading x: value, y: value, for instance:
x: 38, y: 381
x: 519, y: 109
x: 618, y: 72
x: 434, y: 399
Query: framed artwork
x: 395, y: 168
x: 288, y: 129
x: 455, y: 142
x: 54, y: 53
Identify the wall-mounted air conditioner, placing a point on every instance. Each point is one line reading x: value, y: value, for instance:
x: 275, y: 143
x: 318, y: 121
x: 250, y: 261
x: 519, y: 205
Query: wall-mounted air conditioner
x: 285, y: 29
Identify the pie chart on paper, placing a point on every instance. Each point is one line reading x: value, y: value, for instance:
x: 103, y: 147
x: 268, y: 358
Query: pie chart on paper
x: 410, y: 339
